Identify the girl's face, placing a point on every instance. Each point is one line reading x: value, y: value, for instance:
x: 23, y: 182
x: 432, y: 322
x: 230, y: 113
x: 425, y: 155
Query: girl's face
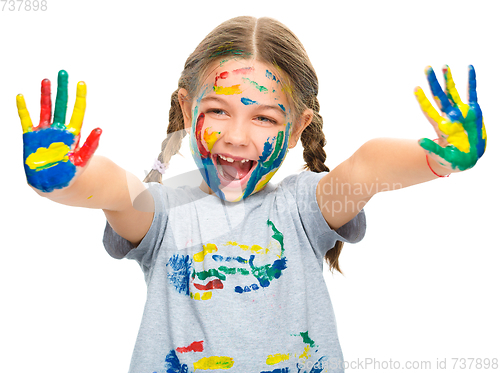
x: 240, y: 128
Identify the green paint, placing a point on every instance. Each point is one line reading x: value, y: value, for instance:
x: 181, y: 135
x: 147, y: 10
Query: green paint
x: 203, y: 275
x: 61, y: 100
x: 277, y: 150
x: 261, y: 88
x: 305, y: 338
x: 233, y: 270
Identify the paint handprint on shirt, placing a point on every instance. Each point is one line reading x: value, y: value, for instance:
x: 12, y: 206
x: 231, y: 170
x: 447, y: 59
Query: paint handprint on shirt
x: 306, y: 360
x: 254, y: 271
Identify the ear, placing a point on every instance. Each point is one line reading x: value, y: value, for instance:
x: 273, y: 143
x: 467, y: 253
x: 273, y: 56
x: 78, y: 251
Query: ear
x: 304, y: 120
x: 185, y: 104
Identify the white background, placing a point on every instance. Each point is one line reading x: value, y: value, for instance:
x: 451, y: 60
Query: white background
x: 422, y: 285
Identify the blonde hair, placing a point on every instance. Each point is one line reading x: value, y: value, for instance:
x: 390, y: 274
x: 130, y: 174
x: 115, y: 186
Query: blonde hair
x: 268, y: 41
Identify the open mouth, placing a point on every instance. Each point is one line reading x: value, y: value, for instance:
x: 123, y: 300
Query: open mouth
x: 231, y: 170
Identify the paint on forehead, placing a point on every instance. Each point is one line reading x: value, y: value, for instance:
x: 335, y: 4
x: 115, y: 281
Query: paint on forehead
x: 271, y: 76
x: 282, y: 107
x: 247, y: 101
x: 222, y: 75
x: 233, y: 90
x: 244, y: 70
x: 259, y: 87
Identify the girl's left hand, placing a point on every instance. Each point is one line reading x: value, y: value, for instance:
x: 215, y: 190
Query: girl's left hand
x: 461, y: 132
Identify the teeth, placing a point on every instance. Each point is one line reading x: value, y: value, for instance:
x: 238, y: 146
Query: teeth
x: 228, y: 159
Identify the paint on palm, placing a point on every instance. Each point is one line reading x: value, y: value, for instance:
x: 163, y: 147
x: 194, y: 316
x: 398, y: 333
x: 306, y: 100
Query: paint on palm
x: 230, y: 266
x: 51, y: 151
x: 202, y: 141
x: 307, y: 359
x: 462, y: 125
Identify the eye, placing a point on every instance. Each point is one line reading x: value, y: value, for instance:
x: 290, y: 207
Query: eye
x: 266, y: 120
x: 217, y: 112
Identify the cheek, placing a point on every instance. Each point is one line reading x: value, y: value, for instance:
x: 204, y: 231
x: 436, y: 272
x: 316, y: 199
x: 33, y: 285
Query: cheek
x: 205, y: 135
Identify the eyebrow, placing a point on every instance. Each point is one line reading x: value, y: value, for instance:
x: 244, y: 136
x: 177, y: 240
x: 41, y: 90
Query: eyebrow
x: 280, y: 109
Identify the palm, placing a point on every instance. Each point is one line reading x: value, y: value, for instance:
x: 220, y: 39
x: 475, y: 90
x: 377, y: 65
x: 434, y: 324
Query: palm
x: 460, y: 128
x: 51, y: 152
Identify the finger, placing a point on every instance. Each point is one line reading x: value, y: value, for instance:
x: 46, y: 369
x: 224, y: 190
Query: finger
x: 432, y: 115
x: 437, y: 91
x: 472, y: 85
x: 431, y: 147
x: 81, y: 156
x: 24, y: 115
x: 452, y: 93
x: 76, y: 121
x: 45, y: 105
x: 61, y: 100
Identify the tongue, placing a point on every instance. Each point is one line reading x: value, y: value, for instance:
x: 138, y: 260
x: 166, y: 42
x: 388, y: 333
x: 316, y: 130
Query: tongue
x: 236, y: 169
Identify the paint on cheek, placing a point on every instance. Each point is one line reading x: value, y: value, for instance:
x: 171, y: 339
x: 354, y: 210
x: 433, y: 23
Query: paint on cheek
x: 256, y: 85
x: 199, y: 125
x: 210, y: 138
x: 247, y: 101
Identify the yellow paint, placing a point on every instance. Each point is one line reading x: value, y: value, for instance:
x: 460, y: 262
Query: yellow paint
x: 277, y: 358
x: 265, y: 180
x: 208, y: 248
x: 306, y: 354
x: 76, y: 121
x: 452, y: 90
x: 254, y: 248
x: 214, y: 362
x: 455, y: 131
x: 485, y: 138
x: 233, y: 90
x: 210, y: 138
x: 90, y: 197
x: 24, y: 115
x: 204, y: 296
x: 43, y: 157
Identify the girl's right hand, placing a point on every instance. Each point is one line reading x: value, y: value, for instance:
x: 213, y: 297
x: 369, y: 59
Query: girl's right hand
x: 52, y: 157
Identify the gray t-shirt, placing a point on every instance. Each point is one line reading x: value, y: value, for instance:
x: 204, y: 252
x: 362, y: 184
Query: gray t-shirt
x: 237, y: 286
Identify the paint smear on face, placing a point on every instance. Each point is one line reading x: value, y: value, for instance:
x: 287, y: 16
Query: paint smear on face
x: 210, y: 138
x: 271, y: 76
x: 247, y: 101
x: 244, y: 70
x: 256, y: 85
x: 233, y: 90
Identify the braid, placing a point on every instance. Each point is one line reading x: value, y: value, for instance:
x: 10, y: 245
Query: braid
x: 175, y: 133
x: 313, y: 140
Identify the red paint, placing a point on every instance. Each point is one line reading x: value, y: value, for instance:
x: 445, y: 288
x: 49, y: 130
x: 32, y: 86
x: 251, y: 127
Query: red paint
x: 81, y: 156
x: 244, y: 70
x: 223, y: 75
x: 196, y: 346
x: 45, y: 105
x: 214, y: 284
x: 199, y: 125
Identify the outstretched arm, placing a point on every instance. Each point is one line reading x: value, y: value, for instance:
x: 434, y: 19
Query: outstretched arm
x: 388, y: 164
x: 59, y: 169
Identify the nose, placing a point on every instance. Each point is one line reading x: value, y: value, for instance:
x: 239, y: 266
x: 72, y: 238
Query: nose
x: 237, y: 133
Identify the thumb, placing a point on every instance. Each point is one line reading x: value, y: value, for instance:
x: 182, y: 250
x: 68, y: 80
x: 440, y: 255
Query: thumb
x: 81, y: 156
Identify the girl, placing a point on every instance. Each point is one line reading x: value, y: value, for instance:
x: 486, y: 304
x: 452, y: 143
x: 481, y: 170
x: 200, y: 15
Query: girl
x: 234, y: 266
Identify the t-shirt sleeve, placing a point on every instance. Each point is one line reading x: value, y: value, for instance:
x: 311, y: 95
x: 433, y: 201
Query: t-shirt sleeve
x: 320, y: 235
x: 145, y: 254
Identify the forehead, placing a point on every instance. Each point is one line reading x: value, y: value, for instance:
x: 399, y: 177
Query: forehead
x: 248, y: 74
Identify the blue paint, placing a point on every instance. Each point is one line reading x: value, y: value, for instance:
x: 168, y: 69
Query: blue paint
x: 173, y: 364
x: 271, y: 76
x: 181, y: 270
x: 282, y: 107
x: 246, y: 289
x: 220, y: 258
x: 247, y: 101
x: 57, y: 176
x: 279, y: 370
